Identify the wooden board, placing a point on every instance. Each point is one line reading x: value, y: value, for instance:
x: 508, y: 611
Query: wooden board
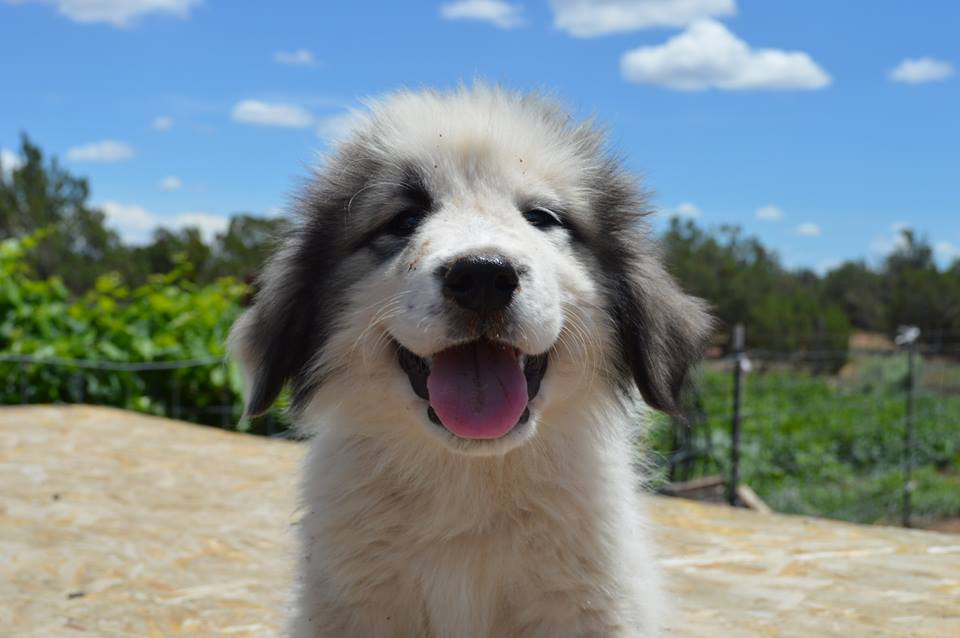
x: 119, y: 524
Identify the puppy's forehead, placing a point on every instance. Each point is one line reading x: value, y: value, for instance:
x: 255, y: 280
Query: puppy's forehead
x: 482, y: 140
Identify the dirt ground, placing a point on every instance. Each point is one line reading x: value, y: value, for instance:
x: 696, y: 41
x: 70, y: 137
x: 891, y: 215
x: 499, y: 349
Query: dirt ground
x: 950, y: 526
x: 116, y: 524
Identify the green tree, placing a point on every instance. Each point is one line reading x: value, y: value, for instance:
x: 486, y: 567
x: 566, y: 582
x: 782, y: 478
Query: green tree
x: 918, y: 293
x: 858, y: 291
x: 242, y: 248
x: 745, y: 283
x: 42, y: 195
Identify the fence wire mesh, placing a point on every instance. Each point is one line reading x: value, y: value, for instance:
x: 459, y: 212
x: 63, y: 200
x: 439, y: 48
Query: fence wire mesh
x: 856, y: 435
x: 203, y: 390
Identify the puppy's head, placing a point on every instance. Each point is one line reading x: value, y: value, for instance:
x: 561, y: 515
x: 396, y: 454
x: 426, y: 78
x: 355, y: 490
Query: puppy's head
x: 464, y: 264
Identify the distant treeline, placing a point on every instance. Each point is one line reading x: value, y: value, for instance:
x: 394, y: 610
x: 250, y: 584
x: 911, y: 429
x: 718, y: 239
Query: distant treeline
x: 790, y: 310
x: 744, y: 281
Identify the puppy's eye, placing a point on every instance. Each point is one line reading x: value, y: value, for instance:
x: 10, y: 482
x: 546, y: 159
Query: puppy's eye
x: 404, y: 223
x: 542, y: 218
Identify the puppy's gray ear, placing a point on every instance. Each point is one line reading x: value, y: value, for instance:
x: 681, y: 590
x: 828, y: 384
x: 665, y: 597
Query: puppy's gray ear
x: 272, y: 341
x: 662, y: 332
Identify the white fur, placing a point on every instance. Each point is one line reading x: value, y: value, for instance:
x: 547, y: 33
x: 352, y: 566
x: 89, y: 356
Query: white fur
x: 409, y: 531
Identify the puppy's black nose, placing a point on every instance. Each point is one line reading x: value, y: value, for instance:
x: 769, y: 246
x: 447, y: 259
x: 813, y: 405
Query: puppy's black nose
x: 481, y: 283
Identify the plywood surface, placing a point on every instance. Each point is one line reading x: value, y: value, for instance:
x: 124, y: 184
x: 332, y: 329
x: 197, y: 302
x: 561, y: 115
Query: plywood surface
x: 118, y: 524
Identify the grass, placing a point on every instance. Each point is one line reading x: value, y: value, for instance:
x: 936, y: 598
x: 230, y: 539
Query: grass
x: 831, y: 446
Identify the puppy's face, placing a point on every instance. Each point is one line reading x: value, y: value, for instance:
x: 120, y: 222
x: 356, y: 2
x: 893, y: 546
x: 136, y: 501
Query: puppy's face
x: 475, y: 284
x: 465, y: 264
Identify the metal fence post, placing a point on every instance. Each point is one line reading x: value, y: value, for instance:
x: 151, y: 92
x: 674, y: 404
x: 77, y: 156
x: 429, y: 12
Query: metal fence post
x: 23, y: 383
x: 908, y: 337
x: 734, y: 479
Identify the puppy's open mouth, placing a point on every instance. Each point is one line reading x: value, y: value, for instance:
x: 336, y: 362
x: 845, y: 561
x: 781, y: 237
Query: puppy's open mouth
x: 477, y: 390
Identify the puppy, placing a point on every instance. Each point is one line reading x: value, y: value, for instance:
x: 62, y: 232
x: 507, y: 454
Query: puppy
x: 470, y: 318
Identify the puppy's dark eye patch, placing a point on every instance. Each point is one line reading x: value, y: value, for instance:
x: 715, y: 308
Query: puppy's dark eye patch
x: 404, y: 223
x: 543, y: 218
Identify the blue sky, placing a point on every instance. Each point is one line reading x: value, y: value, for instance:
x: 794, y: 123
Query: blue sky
x: 820, y: 126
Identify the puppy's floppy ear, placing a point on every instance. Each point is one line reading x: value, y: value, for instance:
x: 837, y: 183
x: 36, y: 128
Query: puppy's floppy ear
x: 299, y: 289
x: 661, y: 331
x: 274, y: 339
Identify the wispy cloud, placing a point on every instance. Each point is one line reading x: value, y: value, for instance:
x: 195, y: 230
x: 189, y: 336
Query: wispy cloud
x: 208, y: 225
x: 104, y: 152
x: 271, y: 114
x: 826, y: 265
x: 769, y: 213
x: 947, y: 250
x: 809, y: 230
x: 133, y: 222
x: 119, y: 13
x: 171, y: 183
x: 162, y: 123
x: 921, y: 71
x: 300, y: 57
x: 884, y: 245
x: 899, y: 227
x: 686, y: 210
x: 333, y: 128
x: 500, y: 14
x: 708, y: 56
x: 136, y: 224
x: 592, y: 18
x: 9, y: 161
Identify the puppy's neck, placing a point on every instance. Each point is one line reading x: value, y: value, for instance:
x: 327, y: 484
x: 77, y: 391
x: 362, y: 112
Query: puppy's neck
x: 572, y: 459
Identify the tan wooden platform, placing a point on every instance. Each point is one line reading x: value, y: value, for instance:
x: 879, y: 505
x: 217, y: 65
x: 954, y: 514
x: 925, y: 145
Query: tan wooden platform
x: 118, y: 524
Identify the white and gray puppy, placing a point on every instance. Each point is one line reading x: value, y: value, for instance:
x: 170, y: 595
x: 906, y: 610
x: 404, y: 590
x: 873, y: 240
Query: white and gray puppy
x: 470, y: 316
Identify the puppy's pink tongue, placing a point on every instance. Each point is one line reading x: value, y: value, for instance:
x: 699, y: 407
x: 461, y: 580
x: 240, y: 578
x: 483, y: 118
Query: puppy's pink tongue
x: 478, y: 390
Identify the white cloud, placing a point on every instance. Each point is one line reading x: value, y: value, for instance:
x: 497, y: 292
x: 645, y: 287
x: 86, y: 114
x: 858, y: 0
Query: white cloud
x: 271, y: 114
x: 496, y: 12
x: 899, y: 227
x: 162, y: 123
x: 105, y: 151
x: 9, y: 161
x: 921, y: 71
x: 708, y: 56
x: 300, y: 57
x: 591, y: 18
x: 136, y: 224
x: 826, y: 265
x: 333, y: 128
x: 769, y: 213
x: 208, y: 225
x: 947, y: 250
x: 883, y: 246
x: 119, y: 13
x: 686, y: 210
x: 809, y: 230
x: 171, y: 183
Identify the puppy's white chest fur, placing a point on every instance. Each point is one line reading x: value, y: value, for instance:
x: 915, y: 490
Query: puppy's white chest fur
x: 409, y: 542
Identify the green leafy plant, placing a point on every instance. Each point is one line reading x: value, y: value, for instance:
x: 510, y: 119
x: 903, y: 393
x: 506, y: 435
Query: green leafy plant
x: 813, y: 445
x: 167, y: 319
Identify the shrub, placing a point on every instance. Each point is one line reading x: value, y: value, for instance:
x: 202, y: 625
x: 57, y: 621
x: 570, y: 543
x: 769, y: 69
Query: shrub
x: 167, y: 319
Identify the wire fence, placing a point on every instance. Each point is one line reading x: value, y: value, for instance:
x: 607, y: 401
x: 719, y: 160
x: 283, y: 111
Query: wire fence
x: 199, y: 390
x: 867, y: 435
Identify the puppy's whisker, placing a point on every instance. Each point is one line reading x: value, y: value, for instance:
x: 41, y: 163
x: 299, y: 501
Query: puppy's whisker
x: 585, y: 346
x: 386, y: 307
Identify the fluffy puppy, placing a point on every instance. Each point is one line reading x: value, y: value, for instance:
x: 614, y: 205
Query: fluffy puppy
x: 470, y: 318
